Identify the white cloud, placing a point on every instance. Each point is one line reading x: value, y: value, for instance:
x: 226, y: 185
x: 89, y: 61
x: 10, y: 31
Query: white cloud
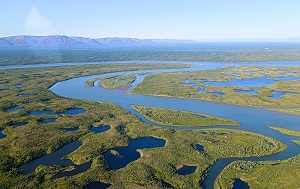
x: 36, y: 24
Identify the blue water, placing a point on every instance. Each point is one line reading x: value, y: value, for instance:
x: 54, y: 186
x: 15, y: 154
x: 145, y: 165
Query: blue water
x: 186, y: 170
x: 14, y: 109
x: 2, y: 135
x: 97, y: 185
x: 100, y: 129
x: 127, y: 154
x: 200, y: 148
x: 279, y: 94
x: 77, y: 169
x: 70, y: 129
x: 250, y: 82
x: 73, y: 111
x: 19, y: 124
x: 3, y: 90
x: 252, y: 92
x: 52, y: 159
x: 49, y: 120
x: 239, y: 184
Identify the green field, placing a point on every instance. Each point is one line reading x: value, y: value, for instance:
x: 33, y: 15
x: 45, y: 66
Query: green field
x: 172, y: 85
x: 263, y: 175
x: 25, y: 143
x: 180, y: 118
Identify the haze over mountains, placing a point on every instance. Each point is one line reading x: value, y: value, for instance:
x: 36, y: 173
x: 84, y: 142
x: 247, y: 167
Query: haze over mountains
x: 62, y: 41
x: 65, y: 41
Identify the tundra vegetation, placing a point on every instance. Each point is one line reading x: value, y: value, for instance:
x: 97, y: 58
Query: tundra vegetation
x: 207, y: 52
x: 180, y: 118
x: 268, y: 174
x: 286, y: 131
x: 113, y: 82
x: 193, y: 85
x: 25, y: 143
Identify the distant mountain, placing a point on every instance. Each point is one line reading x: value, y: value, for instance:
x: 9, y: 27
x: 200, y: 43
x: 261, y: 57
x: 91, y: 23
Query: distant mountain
x: 64, y: 41
x: 117, y: 41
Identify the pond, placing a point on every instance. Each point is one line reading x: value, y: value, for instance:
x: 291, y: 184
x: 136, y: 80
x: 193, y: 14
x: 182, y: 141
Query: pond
x: 18, y: 124
x: 100, y: 129
x: 200, y: 148
x: 49, y: 120
x: 240, y: 184
x: 279, y: 94
x: 73, y: 111
x: 2, y: 135
x: 186, y: 170
x: 70, y: 129
x: 119, y: 157
x: 251, y: 92
x: 14, y: 109
x: 97, y: 185
x: 52, y: 159
x: 77, y: 169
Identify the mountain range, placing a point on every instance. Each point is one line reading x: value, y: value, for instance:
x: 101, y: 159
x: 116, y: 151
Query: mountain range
x: 65, y: 41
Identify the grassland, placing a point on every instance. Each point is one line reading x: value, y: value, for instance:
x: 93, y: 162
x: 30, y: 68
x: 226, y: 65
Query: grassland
x: 264, y: 175
x: 180, y: 118
x: 22, y: 144
x: 173, y: 85
x: 286, y: 131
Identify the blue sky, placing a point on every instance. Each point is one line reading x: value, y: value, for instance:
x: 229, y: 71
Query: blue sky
x: 161, y: 19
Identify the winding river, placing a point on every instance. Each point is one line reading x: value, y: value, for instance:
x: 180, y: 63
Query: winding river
x: 252, y: 119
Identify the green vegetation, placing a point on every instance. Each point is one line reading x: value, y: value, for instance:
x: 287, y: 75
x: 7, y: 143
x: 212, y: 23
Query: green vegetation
x: 173, y: 85
x: 264, y: 175
x: 180, y: 118
x: 215, y: 53
x: 296, y: 141
x: 22, y: 144
x: 286, y: 131
x: 117, y: 81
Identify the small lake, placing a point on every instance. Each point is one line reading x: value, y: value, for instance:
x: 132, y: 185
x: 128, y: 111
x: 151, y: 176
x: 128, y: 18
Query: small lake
x: 186, y: 170
x: 251, y: 92
x: 251, y: 82
x: 49, y: 120
x: 100, y: 129
x: 52, y: 159
x: 73, y: 111
x: 70, y: 129
x: 19, y: 124
x: 279, y: 94
x: 2, y: 135
x: 240, y: 184
x: 97, y: 185
x: 77, y: 169
x: 127, y: 154
x: 14, y: 109
x: 200, y: 148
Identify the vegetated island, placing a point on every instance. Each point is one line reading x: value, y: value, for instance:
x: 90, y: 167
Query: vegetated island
x: 24, y: 144
x: 180, y: 118
x: 286, y: 131
x: 114, y: 82
x: 243, y: 85
x: 267, y: 174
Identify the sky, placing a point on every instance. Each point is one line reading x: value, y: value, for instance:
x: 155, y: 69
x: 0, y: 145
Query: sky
x: 153, y: 19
